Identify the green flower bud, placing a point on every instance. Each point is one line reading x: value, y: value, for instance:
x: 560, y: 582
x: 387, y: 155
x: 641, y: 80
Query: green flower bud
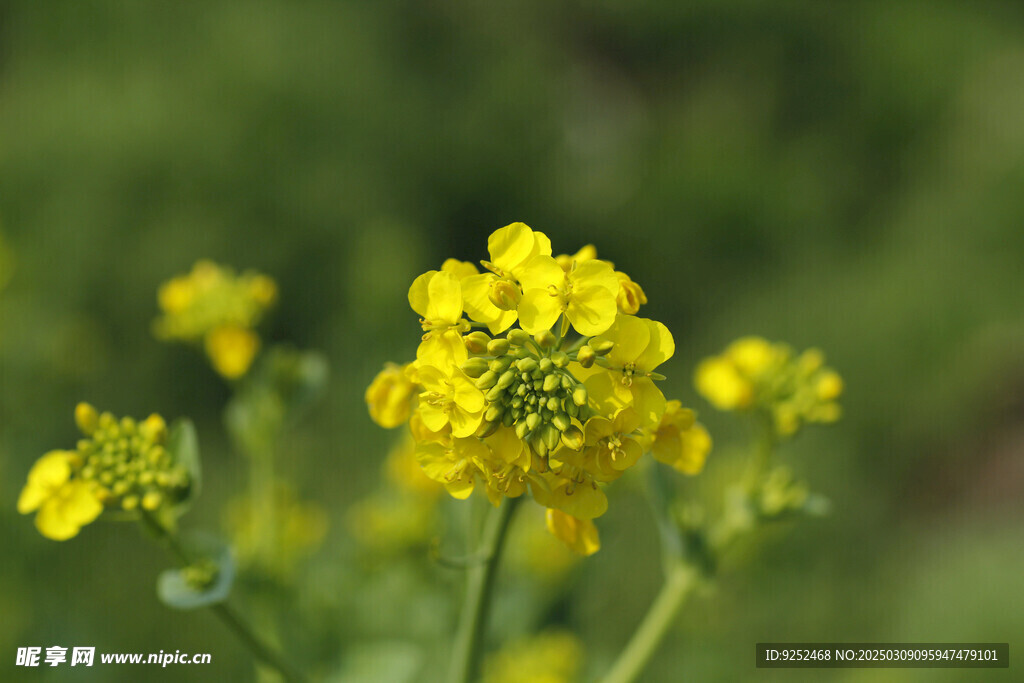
x: 474, y: 367
x: 493, y: 412
x: 508, y: 418
x: 494, y: 395
x: 573, y: 438
x: 586, y: 356
x: 521, y: 429
x: 486, y: 380
x: 527, y: 364
x: 561, y: 422
x: 501, y: 364
x: 551, y: 382
x: 546, y: 365
x: 550, y: 434
x: 579, y: 395
x: 560, y: 359
x: 506, y: 379
x: 476, y: 342
x: 532, y: 421
x: 517, y: 337
x: 486, y: 429
x: 540, y: 447
x: 497, y: 347
x: 553, y: 403
x: 545, y: 339
x: 602, y: 346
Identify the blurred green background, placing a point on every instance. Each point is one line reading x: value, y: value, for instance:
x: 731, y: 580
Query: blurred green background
x: 842, y: 175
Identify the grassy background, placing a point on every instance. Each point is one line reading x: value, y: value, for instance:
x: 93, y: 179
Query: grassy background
x: 840, y: 175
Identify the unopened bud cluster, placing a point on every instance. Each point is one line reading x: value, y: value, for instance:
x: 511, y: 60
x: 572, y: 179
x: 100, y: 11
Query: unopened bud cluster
x: 128, y: 460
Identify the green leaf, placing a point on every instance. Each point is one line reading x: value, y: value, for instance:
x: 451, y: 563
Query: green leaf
x: 183, y: 445
x: 177, y: 588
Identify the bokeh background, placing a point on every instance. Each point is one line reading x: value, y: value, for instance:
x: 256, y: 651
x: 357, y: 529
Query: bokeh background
x: 842, y: 175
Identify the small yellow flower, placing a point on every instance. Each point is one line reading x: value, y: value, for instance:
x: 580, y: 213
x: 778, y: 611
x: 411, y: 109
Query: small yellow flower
x: 720, y: 382
x: 456, y: 465
x: 639, y: 346
x: 64, y: 504
x: 609, y: 447
x: 389, y: 396
x: 549, y: 657
x: 586, y: 295
x: 579, y: 535
x: 755, y: 374
x: 437, y: 297
x: 213, y: 305
x: 679, y: 440
x: 450, y: 398
x: 631, y: 296
x: 231, y: 349
x: 492, y: 297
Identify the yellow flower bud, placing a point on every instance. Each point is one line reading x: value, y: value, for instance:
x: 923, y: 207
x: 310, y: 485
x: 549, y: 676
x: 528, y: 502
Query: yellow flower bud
x: 505, y: 295
x: 476, y: 342
x: 586, y: 356
x: 86, y: 418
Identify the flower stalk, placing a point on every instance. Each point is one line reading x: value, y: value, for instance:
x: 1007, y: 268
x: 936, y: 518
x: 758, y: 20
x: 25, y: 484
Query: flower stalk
x: 479, y: 589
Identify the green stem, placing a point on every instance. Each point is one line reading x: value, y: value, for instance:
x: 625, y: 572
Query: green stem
x: 479, y: 588
x: 680, y: 582
x: 226, y: 614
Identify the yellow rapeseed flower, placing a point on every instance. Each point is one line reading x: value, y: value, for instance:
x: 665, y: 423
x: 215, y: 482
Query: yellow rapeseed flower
x: 231, y: 349
x: 214, y: 306
x: 64, y: 504
x: 586, y: 295
x: 755, y: 374
x: 389, y: 396
x: 679, y: 440
x: 579, y: 535
x: 437, y: 297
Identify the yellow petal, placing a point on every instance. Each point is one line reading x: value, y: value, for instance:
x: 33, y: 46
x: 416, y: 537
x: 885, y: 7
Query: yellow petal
x: 465, y: 423
x: 460, y: 269
x: 52, y: 523
x: 630, y: 336
x: 659, y: 348
x: 445, y: 298
x: 718, y: 381
x: 591, y: 309
x: 538, y: 310
x: 648, y: 401
x: 580, y: 535
x: 510, y: 246
x: 231, y: 349
x: 419, y: 298
x: 45, y: 478
x: 540, y: 272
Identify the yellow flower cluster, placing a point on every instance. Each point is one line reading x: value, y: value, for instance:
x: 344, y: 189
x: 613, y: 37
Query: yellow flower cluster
x: 524, y: 407
x: 550, y: 657
x: 120, y: 464
x: 214, y: 306
x: 758, y: 375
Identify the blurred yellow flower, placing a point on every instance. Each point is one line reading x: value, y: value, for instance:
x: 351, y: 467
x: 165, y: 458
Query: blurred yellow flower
x: 231, y: 349
x: 549, y: 657
x: 214, y: 306
x: 755, y: 374
x: 679, y: 440
x: 579, y: 535
x: 64, y: 504
x: 389, y: 396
